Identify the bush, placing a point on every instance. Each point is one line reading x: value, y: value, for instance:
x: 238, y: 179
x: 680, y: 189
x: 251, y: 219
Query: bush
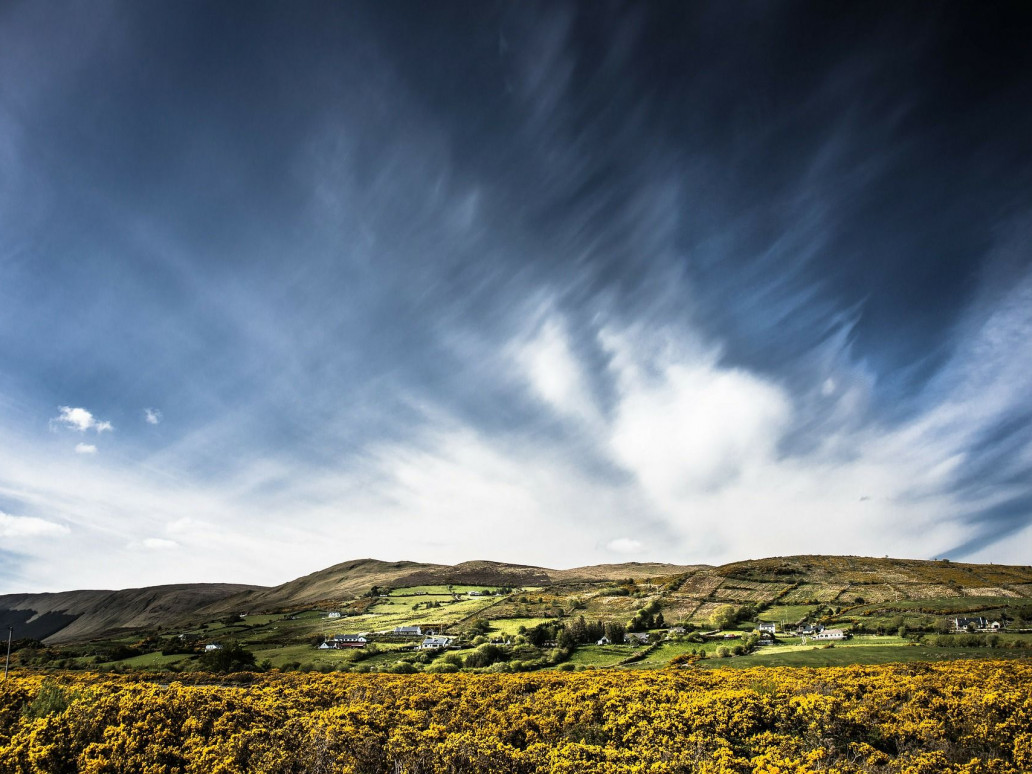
x: 50, y: 699
x: 442, y: 668
x: 231, y: 658
x: 484, y: 655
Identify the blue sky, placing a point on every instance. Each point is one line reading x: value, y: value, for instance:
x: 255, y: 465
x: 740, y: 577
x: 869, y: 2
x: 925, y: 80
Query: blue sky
x: 549, y: 283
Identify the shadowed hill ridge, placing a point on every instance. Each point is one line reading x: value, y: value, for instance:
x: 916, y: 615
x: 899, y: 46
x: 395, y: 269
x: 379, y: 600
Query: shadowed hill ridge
x: 78, y: 615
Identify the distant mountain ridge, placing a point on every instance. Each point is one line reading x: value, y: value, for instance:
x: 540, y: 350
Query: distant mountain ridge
x: 77, y: 615
x: 80, y: 615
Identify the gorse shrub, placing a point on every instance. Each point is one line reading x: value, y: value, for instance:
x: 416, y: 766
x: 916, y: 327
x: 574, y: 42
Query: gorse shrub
x: 944, y: 718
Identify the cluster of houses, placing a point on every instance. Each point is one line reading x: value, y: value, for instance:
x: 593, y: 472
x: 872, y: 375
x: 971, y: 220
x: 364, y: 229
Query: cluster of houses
x: 430, y: 641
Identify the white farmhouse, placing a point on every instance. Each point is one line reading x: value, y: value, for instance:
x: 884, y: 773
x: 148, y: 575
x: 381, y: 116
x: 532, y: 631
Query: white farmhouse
x: 433, y: 643
x: 829, y: 634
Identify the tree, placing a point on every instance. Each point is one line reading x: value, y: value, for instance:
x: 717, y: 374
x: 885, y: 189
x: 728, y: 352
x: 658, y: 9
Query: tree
x: 578, y: 631
x: 231, y: 658
x: 485, y: 655
x: 540, y: 634
x: 615, y: 632
x: 566, y: 640
x: 724, y: 617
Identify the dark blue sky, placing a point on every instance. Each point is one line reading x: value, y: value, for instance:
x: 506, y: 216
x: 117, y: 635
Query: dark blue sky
x: 550, y: 283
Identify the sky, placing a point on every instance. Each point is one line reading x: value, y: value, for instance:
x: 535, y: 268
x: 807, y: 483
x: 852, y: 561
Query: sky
x: 284, y: 285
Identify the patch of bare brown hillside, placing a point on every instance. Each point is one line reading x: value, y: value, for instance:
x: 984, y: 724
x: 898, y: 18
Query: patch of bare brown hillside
x: 861, y: 569
x: 340, y: 582
x: 481, y: 573
x: 617, y: 572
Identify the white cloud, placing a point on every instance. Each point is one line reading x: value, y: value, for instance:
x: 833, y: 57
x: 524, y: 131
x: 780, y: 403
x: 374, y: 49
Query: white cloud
x: 688, y: 426
x: 159, y: 544
x: 152, y: 416
x: 554, y: 373
x: 625, y: 546
x: 29, y: 527
x: 79, y: 419
x: 85, y: 448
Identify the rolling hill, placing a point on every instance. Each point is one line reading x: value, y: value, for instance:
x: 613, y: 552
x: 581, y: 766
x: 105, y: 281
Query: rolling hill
x: 81, y: 615
x: 839, y: 585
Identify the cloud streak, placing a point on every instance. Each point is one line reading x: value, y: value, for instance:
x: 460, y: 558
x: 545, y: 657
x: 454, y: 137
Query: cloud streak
x: 19, y: 527
x: 551, y: 285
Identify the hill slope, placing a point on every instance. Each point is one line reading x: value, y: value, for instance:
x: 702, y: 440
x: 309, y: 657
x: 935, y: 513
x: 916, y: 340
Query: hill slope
x: 80, y: 615
x: 858, y: 586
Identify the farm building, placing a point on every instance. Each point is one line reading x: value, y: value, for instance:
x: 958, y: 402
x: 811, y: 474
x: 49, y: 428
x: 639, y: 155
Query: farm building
x: 830, y: 634
x: 341, y: 641
x: 960, y: 624
x: 433, y: 643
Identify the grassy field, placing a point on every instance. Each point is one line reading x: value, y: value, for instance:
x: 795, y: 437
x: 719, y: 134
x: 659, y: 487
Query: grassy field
x: 787, y: 613
x: 601, y: 655
x: 511, y: 625
x: 871, y: 654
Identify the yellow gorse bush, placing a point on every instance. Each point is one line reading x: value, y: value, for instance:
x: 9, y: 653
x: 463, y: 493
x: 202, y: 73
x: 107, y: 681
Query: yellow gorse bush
x: 973, y: 717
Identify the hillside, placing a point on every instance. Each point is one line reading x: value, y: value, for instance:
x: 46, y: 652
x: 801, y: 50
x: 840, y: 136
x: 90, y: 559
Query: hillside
x: 348, y: 580
x: 82, y: 615
x: 831, y: 587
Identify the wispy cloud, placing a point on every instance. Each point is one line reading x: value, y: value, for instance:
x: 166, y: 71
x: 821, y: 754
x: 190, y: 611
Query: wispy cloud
x: 580, y: 308
x: 15, y: 527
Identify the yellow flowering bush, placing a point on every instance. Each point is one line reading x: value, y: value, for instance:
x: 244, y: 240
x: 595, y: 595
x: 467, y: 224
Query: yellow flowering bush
x: 972, y: 717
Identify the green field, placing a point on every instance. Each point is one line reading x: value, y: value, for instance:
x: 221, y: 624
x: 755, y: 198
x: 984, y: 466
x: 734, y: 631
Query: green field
x: 511, y: 625
x: 790, y: 614
x: 601, y: 655
x: 871, y: 654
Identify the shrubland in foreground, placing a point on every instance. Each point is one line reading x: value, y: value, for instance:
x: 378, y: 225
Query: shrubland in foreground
x: 914, y: 718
